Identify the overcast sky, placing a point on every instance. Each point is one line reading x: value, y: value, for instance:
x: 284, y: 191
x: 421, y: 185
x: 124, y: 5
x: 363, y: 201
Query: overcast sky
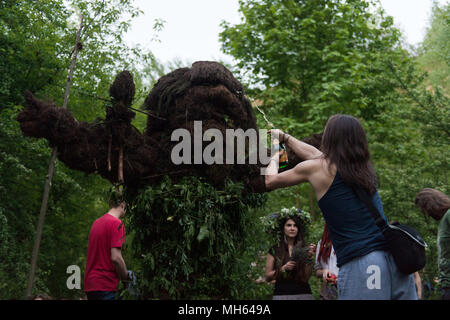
x: 192, y: 27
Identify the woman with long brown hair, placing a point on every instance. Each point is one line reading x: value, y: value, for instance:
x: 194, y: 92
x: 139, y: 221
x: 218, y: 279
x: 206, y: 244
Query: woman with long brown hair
x: 436, y: 204
x: 287, y: 266
x: 366, y: 270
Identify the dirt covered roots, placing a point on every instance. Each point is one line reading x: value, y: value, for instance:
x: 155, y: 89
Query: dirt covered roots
x: 206, y: 92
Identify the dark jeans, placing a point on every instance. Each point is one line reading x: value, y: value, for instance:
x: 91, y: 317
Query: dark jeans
x: 101, y: 295
x: 445, y: 293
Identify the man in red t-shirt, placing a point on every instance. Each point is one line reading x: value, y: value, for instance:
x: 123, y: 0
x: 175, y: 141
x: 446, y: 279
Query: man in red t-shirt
x: 105, y: 266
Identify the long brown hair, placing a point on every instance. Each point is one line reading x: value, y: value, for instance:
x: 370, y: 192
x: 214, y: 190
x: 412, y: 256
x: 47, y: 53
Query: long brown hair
x: 282, y: 251
x: 345, y: 145
x: 433, y: 202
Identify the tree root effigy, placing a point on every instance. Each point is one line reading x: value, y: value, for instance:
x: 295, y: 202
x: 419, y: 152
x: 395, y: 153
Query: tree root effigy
x: 117, y: 151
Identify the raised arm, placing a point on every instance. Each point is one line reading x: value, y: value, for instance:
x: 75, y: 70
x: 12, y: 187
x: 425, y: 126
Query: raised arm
x: 81, y: 146
x: 111, y: 147
x: 303, y: 150
x: 300, y: 173
x: 42, y: 119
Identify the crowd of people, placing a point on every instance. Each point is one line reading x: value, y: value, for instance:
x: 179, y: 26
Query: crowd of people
x: 352, y: 251
x: 352, y: 257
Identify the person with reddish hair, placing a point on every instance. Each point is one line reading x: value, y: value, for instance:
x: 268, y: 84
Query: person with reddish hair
x: 436, y: 204
x: 326, y: 266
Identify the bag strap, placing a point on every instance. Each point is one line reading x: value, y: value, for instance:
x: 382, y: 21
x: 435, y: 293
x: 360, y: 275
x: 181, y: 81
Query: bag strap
x: 364, y: 197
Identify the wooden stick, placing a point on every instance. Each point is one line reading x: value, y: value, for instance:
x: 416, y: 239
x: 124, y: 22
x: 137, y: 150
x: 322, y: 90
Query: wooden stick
x: 264, y: 115
x: 51, y: 169
x: 148, y: 113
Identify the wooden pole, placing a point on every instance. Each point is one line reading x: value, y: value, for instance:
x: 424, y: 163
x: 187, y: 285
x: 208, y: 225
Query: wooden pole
x: 51, y: 169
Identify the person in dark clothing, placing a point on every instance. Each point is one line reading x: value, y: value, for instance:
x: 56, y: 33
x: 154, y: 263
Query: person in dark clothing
x: 290, y: 263
x: 366, y: 270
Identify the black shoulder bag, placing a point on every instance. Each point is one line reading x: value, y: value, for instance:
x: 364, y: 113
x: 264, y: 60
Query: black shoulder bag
x: 404, y: 243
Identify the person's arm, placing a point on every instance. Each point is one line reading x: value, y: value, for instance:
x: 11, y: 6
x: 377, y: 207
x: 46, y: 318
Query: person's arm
x: 318, y: 266
x: 418, y: 282
x: 325, y: 274
x: 303, y: 150
x: 310, y: 265
x: 322, y: 271
x: 270, y: 267
x: 319, y: 273
x: 119, y: 263
x: 300, y: 173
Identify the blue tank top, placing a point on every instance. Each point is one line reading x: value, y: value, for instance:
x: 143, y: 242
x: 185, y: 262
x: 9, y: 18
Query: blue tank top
x: 352, y: 228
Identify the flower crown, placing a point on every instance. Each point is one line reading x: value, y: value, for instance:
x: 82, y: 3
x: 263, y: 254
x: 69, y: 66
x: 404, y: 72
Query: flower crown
x: 272, y: 223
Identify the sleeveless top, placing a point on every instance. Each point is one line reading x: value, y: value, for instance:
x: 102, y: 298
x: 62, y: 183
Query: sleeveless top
x: 352, y: 228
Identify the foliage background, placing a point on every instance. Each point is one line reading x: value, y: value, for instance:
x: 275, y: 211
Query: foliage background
x: 302, y: 60
x: 306, y: 60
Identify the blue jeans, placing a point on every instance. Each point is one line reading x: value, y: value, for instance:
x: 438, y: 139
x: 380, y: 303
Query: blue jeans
x: 101, y: 295
x: 374, y: 276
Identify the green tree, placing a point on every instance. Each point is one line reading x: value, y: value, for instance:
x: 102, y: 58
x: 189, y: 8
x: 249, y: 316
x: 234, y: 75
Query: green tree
x: 35, y: 47
x: 311, y: 59
x: 33, y: 39
x: 420, y: 134
x: 434, y: 50
x: 307, y: 60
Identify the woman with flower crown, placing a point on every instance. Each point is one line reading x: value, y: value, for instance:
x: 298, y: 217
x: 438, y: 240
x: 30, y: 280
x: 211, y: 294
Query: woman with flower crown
x: 290, y: 262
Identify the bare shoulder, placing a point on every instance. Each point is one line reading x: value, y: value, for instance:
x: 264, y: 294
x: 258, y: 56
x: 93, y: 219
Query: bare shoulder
x: 322, y: 177
x: 310, y: 166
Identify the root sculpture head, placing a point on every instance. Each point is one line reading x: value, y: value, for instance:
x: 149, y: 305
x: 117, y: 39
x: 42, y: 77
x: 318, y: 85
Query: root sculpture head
x: 206, y: 92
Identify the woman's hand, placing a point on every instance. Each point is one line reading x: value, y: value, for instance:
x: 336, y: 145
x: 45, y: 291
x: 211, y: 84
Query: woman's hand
x: 289, y: 266
x: 333, y: 278
x: 326, y: 275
